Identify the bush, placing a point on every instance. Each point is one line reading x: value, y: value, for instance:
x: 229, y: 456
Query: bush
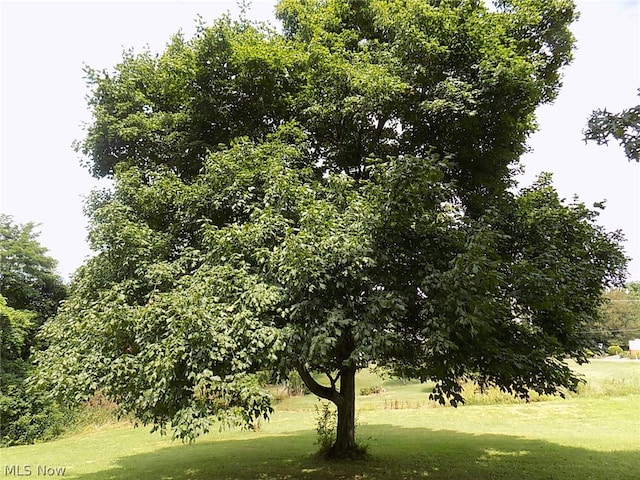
x: 326, y: 423
x: 614, y: 350
x: 27, y: 417
x: 295, y: 385
x: 375, y: 390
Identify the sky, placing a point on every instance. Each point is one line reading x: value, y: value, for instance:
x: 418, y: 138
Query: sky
x: 45, y: 44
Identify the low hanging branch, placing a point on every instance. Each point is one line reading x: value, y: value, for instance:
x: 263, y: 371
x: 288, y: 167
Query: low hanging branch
x: 328, y: 393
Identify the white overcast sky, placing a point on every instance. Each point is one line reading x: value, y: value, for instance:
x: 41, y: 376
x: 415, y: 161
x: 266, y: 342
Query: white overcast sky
x: 45, y: 45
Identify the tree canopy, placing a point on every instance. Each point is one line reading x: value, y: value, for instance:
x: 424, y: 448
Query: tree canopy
x: 28, y: 278
x: 324, y: 198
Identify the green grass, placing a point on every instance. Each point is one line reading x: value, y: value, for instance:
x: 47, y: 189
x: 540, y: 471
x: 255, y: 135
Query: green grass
x: 595, y: 435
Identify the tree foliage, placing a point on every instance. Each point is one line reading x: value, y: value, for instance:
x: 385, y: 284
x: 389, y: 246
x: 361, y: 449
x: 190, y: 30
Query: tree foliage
x: 25, y: 417
x: 623, y: 126
x: 30, y: 291
x: 321, y: 199
x: 17, y: 326
x: 28, y: 278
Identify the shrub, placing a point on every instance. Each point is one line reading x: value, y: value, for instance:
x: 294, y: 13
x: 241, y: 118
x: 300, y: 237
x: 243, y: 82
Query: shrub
x: 295, y: 386
x: 614, y: 350
x: 27, y: 417
x: 374, y: 390
x: 326, y: 422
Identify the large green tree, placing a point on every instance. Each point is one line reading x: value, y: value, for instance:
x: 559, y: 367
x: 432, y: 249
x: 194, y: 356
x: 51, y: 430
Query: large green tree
x: 319, y: 199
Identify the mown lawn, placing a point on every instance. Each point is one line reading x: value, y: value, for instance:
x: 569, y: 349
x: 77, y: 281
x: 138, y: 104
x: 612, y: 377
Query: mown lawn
x: 592, y: 436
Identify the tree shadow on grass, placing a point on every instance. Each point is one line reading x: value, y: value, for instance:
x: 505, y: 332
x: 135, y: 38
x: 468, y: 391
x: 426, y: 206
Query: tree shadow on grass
x: 395, y: 453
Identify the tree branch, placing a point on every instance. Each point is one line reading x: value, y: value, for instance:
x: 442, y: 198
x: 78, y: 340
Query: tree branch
x: 321, y: 391
x: 331, y: 379
x: 382, y: 121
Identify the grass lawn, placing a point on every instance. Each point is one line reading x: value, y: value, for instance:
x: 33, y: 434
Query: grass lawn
x: 595, y: 435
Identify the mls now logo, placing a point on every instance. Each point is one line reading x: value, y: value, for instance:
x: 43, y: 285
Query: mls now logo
x: 28, y: 470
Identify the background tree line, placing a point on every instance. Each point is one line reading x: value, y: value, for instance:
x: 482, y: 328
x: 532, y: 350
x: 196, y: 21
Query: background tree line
x: 30, y: 294
x: 620, y: 319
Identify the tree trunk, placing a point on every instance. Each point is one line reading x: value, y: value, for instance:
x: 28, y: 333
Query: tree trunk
x: 345, y: 400
x: 345, y: 444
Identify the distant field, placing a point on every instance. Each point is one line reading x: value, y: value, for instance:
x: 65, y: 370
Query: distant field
x: 595, y: 435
